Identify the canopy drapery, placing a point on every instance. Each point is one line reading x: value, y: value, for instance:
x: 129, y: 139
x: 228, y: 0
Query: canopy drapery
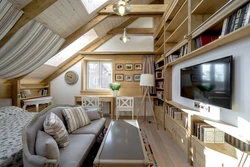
x: 29, y: 48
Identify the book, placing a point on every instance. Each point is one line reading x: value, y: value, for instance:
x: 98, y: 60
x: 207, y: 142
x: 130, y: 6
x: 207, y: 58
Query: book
x: 246, y: 15
x: 207, y: 133
x: 224, y: 27
x: 243, y: 11
x: 237, y: 19
x: 219, y: 136
x: 231, y: 23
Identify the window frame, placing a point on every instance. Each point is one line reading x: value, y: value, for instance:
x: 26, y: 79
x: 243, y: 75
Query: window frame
x: 99, y: 80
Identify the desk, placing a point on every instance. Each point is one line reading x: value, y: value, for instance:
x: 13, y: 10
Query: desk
x: 37, y: 101
x: 107, y: 98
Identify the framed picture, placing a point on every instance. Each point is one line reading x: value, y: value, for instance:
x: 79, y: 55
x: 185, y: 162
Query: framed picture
x: 119, y: 66
x: 138, y: 66
x: 137, y: 77
x: 129, y: 67
x: 119, y: 77
x: 128, y: 78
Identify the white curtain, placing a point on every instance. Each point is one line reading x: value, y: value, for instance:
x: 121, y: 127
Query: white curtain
x: 149, y: 68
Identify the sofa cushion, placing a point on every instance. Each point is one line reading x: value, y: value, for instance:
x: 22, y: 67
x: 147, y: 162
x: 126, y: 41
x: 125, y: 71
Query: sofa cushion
x: 93, y: 113
x: 94, y: 128
x: 75, y: 117
x: 46, y: 146
x: 55, y: 127
x: 77, y: 150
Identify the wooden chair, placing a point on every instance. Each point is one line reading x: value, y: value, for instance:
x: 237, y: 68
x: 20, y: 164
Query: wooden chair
x: 124, y: 104
x: 91, y: 102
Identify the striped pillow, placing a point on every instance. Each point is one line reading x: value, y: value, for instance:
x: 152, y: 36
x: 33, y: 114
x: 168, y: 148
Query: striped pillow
x: 55, y: 127
x: 75, y: 117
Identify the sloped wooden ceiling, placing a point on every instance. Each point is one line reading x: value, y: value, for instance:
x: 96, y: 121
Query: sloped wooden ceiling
x: 66, y: 18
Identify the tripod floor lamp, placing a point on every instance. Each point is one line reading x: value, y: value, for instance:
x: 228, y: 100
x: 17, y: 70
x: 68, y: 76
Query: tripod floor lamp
x: 147, y: 80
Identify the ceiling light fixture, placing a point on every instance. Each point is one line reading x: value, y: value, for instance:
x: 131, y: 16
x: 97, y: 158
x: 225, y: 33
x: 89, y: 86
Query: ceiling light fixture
x: 121, y: 7
x: 125, y: 38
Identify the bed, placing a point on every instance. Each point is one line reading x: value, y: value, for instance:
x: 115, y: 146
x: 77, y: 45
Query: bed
x: 12, y: 120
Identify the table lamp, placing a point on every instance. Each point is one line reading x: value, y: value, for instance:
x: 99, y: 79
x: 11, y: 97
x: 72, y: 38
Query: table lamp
x: 26, y: 92
x: 147, y: 80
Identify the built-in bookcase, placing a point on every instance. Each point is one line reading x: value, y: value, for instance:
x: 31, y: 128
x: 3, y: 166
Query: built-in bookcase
x: 191, y: 28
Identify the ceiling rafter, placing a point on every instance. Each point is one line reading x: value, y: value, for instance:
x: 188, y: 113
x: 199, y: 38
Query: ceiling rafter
x: 138, y: 9
x: 33, y: 9
x: 132, y: 31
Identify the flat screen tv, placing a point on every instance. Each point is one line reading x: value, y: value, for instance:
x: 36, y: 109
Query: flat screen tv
x: 209, y: 82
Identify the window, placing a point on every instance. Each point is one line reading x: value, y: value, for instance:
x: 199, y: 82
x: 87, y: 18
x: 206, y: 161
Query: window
x: 99, y: 74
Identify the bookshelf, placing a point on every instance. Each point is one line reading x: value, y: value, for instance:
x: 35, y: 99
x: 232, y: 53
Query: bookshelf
x: 37, y: 90
x: 184, y: 21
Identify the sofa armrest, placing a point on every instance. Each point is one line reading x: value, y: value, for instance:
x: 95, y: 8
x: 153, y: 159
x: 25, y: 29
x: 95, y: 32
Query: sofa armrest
x: 38, y: 161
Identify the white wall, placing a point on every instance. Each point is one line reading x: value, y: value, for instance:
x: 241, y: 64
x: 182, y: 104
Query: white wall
x: 240, y: 113
x: 64, y: 93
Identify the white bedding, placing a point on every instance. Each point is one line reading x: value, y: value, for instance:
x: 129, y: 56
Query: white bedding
x: 12, y: 120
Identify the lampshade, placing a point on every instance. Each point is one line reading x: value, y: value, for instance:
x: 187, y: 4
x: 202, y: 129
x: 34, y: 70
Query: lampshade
x: 27, y: 92
x: 125, y: 38
x: 147, y: 80
x: 121, y: 7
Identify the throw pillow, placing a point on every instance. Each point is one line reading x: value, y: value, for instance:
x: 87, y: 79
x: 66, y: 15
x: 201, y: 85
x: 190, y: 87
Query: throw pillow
x: 55, y: 127
x: 46, y: 146
x: 75, y: 117
x: 93, y: 114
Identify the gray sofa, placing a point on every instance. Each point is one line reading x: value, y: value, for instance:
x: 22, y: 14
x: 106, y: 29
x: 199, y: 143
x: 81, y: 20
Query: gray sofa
x: 80, y: 140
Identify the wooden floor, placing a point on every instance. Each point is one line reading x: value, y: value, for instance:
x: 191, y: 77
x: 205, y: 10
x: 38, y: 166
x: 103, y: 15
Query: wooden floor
x: 166, y: 152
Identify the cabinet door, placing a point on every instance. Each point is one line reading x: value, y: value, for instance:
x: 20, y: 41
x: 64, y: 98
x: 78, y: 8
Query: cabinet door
x: 181, y: 138
x: 169, y: 125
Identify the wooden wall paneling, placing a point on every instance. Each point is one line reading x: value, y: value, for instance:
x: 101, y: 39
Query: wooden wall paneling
x: 5, y: 91
x: 15, y: 92
x: 168, y: 83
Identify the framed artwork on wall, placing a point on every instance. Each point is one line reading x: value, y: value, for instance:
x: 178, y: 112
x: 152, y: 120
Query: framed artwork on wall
x: 137, y: 77
x: 138, y: 66
x: 128, y: 78
x: 119, y: 66
x: 119, y: 77
x: 129, y: 67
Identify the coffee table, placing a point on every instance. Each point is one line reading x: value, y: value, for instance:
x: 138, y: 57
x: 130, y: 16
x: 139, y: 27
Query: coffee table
x: 122, y: 146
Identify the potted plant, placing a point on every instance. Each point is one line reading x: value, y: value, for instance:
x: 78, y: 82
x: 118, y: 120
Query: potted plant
x: 115, y: 87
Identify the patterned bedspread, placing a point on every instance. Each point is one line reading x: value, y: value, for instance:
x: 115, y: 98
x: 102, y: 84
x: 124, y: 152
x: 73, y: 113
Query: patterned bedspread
x: 12, y: 120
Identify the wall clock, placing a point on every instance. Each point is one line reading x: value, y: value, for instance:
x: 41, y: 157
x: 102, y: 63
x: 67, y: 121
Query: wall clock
x: 71, y: 77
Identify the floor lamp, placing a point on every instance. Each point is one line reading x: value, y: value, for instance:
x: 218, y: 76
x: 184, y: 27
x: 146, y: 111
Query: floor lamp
x: 147, y: 80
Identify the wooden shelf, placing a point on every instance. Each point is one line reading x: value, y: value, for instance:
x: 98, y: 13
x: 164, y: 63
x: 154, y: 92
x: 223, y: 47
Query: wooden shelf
x: 160, y: 89
x: 171, y: 12
x: 160, y: 68
x: 233, y: 36
x: 39, y: 87
x: 178, y: 122
x: 179, y: 33
x: 159, y: 29
x: 159, y: 78
x: 178, y: 18
x: 160, y: 50
x: 33, y: 97
x: 223, y: 148
x: 176, y: 47
x: 208, y: 7
x: 218, y: 17
x: 159, y: 60
x: 160, y: 40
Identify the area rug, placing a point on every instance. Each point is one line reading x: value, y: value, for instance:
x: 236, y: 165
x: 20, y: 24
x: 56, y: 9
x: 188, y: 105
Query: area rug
x: 150, y: 154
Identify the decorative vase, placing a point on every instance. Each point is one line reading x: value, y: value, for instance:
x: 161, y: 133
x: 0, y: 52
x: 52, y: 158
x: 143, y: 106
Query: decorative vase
x: 115, y: 93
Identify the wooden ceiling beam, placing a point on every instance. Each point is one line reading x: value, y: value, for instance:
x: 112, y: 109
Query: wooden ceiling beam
x: 115, y: 53
x: 132, y: 31
x: 78, y: 33
x: 33, y: 9
x: 138, y: 9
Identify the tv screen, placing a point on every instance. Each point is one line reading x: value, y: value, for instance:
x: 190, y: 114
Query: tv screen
x: 209, y: 82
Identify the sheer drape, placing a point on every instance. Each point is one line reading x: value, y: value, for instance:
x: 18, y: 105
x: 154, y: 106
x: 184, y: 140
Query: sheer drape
x: 148, y: 68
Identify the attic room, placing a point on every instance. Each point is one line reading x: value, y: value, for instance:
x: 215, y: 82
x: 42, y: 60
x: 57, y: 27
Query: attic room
x: 157, y: 83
